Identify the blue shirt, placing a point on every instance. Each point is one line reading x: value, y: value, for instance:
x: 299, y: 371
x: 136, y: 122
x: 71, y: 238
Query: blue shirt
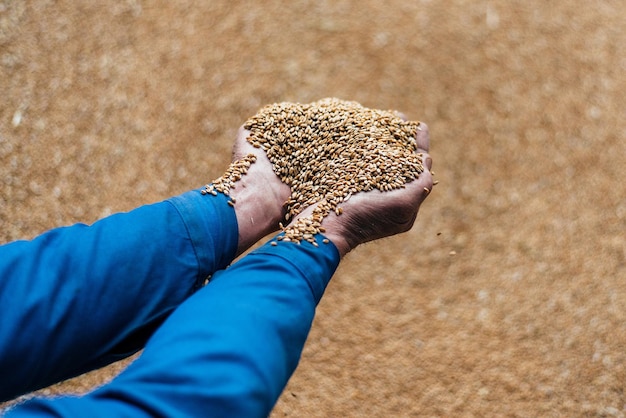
x: 77, y: 298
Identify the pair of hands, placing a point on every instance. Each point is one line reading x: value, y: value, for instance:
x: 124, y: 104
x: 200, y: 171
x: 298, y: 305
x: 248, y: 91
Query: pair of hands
x: 367, y: 216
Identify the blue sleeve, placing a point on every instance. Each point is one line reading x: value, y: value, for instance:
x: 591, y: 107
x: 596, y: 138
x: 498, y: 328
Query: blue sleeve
x: 77, y: 298
x: 228, y: 351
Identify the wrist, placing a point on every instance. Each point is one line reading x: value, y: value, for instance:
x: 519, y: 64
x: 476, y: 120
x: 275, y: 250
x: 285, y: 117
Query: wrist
x: 339, y: 241
x: 332, y: 228
x: 255, y: 218
x: 257, y: 210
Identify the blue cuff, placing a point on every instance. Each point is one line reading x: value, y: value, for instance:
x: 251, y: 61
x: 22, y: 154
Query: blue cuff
x: 313, y: 263
x: 212, y: 227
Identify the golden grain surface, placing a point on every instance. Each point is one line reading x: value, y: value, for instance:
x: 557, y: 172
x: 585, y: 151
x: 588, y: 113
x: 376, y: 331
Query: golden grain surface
x: 508, y: 296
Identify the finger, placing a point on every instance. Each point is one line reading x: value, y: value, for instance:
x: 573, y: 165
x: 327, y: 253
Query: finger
x: 428, y: 162
x: 422, y: 138
x: 425, y: 181
x: 401, y: 115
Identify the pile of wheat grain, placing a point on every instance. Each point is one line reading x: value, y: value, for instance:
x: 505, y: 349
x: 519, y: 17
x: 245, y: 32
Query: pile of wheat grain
x: 327, y: 151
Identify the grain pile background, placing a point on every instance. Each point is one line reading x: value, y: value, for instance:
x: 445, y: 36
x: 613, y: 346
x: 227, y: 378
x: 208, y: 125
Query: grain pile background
x: 508, y: 297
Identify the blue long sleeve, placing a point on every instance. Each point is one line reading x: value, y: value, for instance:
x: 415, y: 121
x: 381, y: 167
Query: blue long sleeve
x: 77, y: 298
x: 228, y: 351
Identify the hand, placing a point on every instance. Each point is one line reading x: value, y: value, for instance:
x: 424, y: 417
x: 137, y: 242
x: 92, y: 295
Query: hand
x: 368, y: 216
x: 259, y: 195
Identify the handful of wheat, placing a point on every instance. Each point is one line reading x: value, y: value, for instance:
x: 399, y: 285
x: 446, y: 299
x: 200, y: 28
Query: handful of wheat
x: 327, y: 151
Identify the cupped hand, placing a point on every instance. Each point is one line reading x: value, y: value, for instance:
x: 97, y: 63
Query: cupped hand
x: 371, y: 215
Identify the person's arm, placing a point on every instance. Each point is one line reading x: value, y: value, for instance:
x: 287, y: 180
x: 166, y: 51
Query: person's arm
x: 77, y: 298
x: 228, y: 351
